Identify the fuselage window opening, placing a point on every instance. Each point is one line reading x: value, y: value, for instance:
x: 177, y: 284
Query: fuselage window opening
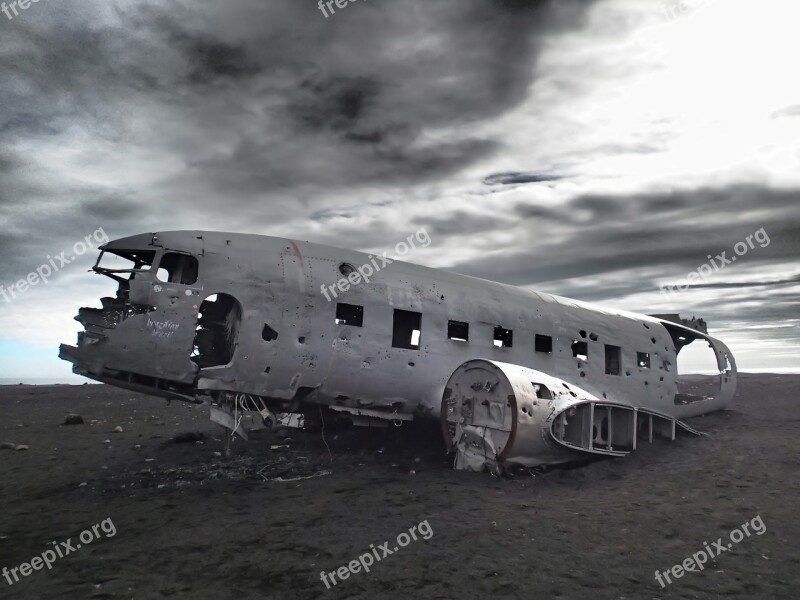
x: 178, y: 268
x: 613, y: 359
x: 544, y: 344
x: 503, y: 338
x: 580, y: 350
x: 643, y: 360
x: 349, y: 314
x: 407, y: 329
x: 458, y: 331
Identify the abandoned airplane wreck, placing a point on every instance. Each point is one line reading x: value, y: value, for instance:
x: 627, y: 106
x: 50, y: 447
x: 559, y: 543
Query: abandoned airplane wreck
x: 516, y: 377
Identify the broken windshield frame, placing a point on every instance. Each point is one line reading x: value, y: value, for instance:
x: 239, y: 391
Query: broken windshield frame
x: 142, y: 260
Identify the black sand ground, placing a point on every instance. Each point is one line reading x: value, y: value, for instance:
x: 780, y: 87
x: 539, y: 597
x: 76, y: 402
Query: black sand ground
x: 189, y: 524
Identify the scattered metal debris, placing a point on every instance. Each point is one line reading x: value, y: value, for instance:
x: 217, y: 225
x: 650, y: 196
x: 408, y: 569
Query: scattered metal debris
x: 317, y: 474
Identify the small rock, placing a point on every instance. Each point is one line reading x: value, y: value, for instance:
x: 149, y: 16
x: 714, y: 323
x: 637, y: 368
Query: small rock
x: 412, y: 472
x: 84, y: 484
x: 217, y: 453
x: 73, y: 419
x: 188, y: 438
x: 118, y: 429
x: 21, y: 447
x: 106, y: 441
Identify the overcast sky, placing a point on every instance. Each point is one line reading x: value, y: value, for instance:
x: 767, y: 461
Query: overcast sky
x: 592, y: 149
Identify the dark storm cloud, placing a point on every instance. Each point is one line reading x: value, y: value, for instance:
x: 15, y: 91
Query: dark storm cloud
x: 746, y: 284
x: 614, y: 233
x: 332, y: 86
x: 261, y: 99
x: 461, y: 223
x: 514, y: 177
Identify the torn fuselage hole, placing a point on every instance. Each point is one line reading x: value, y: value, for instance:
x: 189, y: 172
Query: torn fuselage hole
x: 217, y: 331
x: 268, y: 334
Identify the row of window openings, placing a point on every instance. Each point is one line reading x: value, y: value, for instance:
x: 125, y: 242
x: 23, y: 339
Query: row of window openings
x: 407, y: 329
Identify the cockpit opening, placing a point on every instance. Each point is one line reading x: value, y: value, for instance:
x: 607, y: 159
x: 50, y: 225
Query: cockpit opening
x: 122, y: 265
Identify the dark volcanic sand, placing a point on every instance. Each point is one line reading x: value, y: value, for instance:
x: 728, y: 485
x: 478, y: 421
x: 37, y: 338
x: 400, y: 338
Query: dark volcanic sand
x: 191, y: 525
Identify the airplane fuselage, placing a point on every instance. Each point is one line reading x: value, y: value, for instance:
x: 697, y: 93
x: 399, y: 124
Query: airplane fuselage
x: 247, y: 314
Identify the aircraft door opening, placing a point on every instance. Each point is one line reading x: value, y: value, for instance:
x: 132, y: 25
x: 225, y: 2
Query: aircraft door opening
x: 217, y: 332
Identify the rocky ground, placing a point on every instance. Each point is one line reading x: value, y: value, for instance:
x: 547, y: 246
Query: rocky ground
x: 181, y: 521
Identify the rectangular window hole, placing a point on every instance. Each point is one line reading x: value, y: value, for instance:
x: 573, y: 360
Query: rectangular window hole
x: 544, y: 343
x: 178, y: 268
x: 580, y: 350
x: 458, y: 331
x: 407, y: 329
x: 613, y: 359
x: 349, y: 314
x: 503, y: 338
x: 643, y: 359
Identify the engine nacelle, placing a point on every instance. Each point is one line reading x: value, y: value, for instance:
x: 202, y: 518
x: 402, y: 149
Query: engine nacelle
x: 496, y: 415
